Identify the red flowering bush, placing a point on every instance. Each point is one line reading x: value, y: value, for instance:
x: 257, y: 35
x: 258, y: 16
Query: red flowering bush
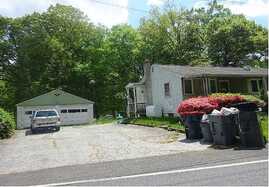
x: 203, y: 105
x: 196, y: 106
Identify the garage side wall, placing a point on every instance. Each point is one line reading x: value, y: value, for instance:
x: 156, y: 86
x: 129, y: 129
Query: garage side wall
x: 69, y: 114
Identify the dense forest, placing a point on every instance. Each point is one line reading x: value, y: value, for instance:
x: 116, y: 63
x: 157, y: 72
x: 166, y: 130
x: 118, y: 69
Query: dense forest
x: 61, y: 48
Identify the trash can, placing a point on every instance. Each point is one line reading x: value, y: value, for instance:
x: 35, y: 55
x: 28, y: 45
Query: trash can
x: 249, y: 129
x: 206, y: 132
x: 223, y: 128
x: 245, y: 106
x: 192, y: 127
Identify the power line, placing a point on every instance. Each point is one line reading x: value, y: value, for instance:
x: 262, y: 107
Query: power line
x: 120, y: 6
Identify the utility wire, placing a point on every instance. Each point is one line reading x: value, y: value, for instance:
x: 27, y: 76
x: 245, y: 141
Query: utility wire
x: 120, y: 6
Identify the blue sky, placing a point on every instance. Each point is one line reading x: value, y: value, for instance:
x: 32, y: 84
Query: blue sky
x: 256, y: 10
x: 111, y: 12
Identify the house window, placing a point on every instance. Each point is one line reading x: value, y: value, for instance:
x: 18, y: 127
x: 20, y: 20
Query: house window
x: 213, y: 85
x: 224, y: 86
x: 188, y: 86
x: 73, y: 110
x: 166, y: 89
x: 28, y: 112
x: 84, y: 110
x: 64, y: 111
x: 255, y: 85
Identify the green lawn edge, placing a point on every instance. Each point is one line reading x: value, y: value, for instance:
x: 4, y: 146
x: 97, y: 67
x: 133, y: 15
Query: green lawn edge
x: 170, y: 124
x: 173, y: 124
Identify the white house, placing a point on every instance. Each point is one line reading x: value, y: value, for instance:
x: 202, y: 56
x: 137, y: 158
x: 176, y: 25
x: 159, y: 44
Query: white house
x: 163, y: 87
x: 72, y: 109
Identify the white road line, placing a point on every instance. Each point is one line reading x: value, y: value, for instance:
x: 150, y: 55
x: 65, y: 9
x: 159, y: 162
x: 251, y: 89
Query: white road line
x: 154, y: 173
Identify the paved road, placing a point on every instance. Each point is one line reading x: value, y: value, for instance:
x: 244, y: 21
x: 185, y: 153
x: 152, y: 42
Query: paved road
x: 211, y: 167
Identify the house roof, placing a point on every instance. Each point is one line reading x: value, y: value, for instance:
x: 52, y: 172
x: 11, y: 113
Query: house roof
x: 198, y: 71
x: 55, y: 97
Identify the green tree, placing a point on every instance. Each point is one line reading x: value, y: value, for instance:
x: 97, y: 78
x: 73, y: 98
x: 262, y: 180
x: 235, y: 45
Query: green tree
x: 174, y: 36
x: 62, y: 48
x: 122, y: 60
x: 232, y: 38
x: 48, y: 50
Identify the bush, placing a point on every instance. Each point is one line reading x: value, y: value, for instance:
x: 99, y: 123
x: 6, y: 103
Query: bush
x: 249, y: 98
x: 7, y: 124
x: 224, y: 100
x: 205, y: 105
x: 196, y: 106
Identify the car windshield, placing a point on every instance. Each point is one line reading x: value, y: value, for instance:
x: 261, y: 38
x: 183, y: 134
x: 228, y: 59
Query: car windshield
x: 45, y: 113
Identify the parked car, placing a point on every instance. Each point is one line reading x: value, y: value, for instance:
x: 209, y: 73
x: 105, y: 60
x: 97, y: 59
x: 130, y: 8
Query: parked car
x: 45, y: 119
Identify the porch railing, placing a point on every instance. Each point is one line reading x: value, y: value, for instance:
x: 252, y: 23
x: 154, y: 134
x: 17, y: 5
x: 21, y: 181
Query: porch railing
x: 140, y: 109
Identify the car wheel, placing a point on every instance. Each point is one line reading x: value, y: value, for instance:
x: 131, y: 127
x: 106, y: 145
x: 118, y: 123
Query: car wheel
x: 57, y: 128
x: 33, y: 130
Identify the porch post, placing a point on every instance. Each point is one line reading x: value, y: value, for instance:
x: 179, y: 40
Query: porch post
x: 265, y: 84
x: 135, y: 102
x: 128, y: 106
x: 206, y: 86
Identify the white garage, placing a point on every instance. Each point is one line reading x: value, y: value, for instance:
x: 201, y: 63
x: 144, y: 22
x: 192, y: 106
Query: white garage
x: 72, y: 109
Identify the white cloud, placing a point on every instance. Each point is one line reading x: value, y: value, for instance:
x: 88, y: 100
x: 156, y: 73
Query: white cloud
x: 156, y: 2
x: 200, y: 4
x: 97, y: 12
x: 250, y: 8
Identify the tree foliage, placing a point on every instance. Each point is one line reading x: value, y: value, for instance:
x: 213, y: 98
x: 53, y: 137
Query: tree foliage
x: 61, y: 48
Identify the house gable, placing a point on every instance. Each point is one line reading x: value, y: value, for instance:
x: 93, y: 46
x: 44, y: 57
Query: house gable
x: 55, y: 97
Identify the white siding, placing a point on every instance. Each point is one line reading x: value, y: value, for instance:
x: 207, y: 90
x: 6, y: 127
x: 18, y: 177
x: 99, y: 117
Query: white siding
x: 24, y: 121
x: 140, y: 94
x: 159, y: 77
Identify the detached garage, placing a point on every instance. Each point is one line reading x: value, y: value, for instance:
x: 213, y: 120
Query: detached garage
x: 72, y: 109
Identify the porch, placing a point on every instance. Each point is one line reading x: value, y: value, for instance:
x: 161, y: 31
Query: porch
x: 136, y: 100
x: 203, y: 86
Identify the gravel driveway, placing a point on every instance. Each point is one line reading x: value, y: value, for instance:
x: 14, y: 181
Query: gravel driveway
x: 87, y: 144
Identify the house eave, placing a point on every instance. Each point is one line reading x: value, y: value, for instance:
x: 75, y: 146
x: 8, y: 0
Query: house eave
x: 220, y: 75
x: 130, y: 85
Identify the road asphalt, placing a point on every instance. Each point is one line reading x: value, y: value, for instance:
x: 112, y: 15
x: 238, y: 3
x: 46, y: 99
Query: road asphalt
x: 210, y: 167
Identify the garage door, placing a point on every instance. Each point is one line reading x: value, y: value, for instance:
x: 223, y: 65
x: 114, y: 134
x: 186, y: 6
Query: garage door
x: 71, y: 116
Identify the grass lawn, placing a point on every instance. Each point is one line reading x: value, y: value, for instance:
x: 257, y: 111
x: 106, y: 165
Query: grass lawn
x: 264, y: 124
x: 105, y: 120
x: 173, y: 124
x: 162, y: 122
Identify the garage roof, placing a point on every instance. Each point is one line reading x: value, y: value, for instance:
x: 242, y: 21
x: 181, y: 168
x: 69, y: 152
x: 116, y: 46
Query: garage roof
x: 55, y: 97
